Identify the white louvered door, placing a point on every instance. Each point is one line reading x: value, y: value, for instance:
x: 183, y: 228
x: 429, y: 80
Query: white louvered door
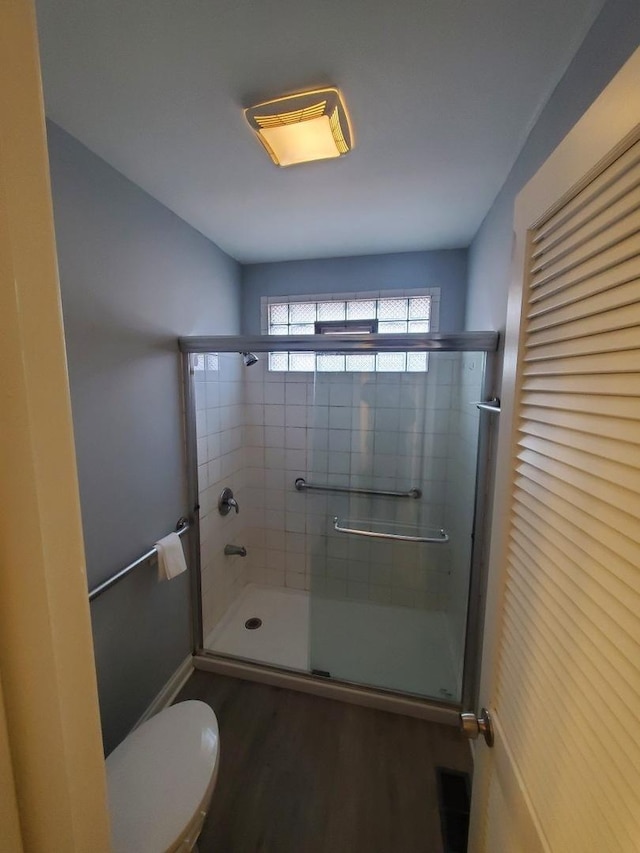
x: 561, y: 667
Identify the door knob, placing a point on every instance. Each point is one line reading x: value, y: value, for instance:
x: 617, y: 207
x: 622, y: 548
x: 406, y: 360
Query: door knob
x: 473, y: 726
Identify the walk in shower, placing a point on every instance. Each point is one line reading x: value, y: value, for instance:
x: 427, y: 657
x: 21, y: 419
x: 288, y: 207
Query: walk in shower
x: 345, y: 547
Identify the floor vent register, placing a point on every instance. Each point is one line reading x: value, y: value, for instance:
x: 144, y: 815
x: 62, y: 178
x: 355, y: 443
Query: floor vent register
x: 454, y: 798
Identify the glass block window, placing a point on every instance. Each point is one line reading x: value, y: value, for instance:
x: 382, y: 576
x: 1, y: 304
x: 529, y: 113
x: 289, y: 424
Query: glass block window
x: 328, y: 361
x: 391, y: 362
x: 361, y: 362
x: 393, y: 315
x: 278, y: 361
x: 302, y: 361
x: 201, y: 362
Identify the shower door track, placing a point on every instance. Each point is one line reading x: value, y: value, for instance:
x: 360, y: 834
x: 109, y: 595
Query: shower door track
x: 392, y: 701
x: 403, y: 342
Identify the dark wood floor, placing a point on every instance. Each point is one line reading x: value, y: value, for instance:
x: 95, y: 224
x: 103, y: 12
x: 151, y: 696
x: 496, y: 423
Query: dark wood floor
x: 301, y: 774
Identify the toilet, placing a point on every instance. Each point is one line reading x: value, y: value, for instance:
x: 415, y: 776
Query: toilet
x: 161, y: 778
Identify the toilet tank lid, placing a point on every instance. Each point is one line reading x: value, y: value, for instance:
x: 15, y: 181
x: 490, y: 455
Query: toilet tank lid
x: 159, y: 775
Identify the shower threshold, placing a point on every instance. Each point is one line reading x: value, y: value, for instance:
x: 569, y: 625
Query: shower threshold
x: 393, y: 648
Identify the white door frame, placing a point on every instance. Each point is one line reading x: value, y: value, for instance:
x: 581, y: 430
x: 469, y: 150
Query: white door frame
x: 610, y: 119
x: 51, y: 761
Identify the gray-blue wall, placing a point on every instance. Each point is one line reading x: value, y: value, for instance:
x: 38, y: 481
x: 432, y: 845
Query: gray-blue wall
x: 613, y: 37
x: 446, y: 269
x: 134, y: 277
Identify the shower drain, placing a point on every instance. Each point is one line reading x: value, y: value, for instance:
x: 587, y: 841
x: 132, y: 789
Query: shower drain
x: 253, y: 623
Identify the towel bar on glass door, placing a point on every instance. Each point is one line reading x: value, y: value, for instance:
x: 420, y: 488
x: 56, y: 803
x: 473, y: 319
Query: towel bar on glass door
x: 302, y: 486
x: 441, y: 539
x: 181, y: 528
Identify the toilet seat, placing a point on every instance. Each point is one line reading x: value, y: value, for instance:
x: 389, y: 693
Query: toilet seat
x: 160, y: 780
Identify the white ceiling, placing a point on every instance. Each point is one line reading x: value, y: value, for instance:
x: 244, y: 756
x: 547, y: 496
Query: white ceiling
x: 442, y: 94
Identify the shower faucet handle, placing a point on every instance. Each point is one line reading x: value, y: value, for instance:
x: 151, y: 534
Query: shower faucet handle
x: 227, y: 502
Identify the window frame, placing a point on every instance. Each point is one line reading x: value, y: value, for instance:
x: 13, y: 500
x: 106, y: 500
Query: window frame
x: 432, y: 293
x: 345, y: 327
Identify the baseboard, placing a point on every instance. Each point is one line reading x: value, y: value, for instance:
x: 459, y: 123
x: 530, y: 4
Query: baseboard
x: 370, y: 698
x: 169, y: 692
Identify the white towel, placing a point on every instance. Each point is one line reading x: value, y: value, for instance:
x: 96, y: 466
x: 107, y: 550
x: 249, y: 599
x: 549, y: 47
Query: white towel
x: 171, y: 560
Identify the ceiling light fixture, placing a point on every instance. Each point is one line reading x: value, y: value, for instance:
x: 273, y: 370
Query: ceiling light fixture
x: 299, y: 128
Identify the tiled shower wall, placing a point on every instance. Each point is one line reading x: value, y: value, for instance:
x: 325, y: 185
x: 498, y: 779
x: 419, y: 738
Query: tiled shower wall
x: 368, y: 430
x: 259, y: 430
x: 220, y: 413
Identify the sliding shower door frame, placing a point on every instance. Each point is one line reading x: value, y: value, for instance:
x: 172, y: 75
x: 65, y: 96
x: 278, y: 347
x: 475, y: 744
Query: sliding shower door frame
x: 480, y: 540
x: 191, y: 452
x: 404, y: 342
x: 383, y: 699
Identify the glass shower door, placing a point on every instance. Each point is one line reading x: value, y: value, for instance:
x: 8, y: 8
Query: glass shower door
x: 395, y: 457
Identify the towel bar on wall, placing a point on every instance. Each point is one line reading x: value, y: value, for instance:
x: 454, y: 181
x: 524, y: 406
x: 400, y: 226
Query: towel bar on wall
x: 440, y: 539
x: 181, y: 528
x: 302, y: 486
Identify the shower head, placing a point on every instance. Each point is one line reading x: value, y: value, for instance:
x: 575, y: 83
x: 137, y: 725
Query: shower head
x: 249, y: 358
